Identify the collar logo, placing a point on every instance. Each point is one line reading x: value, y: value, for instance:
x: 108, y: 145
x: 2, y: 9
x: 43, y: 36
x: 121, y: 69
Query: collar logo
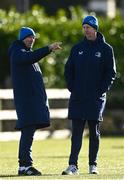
x: 98, y: 54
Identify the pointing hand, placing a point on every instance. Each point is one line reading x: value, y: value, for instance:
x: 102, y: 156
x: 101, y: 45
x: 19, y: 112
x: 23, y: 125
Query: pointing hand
x: 55, y: 46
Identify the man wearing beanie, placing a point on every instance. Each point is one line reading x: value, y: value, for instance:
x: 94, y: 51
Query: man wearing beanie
x: 29, y: 94
x: 89, y: 72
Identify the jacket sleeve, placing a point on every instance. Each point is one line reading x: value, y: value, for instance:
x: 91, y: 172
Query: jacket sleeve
x: 21, y: 56
x: 69, y: 71
x: 109, y: 71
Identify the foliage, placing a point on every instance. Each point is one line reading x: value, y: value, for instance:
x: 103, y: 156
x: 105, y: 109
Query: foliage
x: 58, y: 28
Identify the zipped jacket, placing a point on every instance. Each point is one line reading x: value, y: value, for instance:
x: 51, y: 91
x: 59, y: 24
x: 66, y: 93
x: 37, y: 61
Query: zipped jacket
x: 89, y: 72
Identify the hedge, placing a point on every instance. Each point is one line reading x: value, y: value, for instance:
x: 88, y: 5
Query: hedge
x: 58, y: 28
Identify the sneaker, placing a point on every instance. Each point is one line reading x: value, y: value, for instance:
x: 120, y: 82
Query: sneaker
x: 21, y: 172
x: 93, y: 169
x: 71, y: 170
x: 31, y: 171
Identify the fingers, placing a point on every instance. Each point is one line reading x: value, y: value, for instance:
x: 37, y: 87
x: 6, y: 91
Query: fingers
x: 55, y: 46
x: 58, y: 45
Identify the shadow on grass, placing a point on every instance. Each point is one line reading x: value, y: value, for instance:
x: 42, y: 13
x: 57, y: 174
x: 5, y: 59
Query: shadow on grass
x: 9, y: 175
x: 16, y: 175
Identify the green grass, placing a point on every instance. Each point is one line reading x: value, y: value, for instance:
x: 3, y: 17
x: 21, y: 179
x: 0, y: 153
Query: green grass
x: 51, y: 157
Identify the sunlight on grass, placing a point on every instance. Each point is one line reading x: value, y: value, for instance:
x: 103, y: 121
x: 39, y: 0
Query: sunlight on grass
x: 51, y: 157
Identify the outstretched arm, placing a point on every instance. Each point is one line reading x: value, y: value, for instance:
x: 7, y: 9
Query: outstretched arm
x: 22, y: 56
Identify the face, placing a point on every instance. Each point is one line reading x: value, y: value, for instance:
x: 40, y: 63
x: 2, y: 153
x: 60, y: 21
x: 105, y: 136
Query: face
x: 29, y: 41
x: 89, y: 32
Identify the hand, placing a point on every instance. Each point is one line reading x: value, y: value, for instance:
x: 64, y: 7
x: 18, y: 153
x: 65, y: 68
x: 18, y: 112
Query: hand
x: 55, y: 46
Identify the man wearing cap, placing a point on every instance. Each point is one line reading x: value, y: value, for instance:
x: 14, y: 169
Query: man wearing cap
x: 29, y: 93
x: 89, y: 73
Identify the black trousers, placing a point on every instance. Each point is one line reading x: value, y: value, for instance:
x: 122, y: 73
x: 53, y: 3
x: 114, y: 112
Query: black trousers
x: 76, y: 140
x: 25, y: 146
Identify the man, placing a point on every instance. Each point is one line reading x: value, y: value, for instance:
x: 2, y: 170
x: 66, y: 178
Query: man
x: 89, y: 72
x: 29, y: 93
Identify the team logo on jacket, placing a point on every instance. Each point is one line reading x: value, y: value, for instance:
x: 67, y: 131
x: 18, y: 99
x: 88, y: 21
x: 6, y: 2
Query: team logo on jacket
x: 98, y: 54
x: 80, y: 52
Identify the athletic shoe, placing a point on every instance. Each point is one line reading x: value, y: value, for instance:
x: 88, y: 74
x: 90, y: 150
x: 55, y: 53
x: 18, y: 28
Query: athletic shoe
x: 31, y: 171
x: 21, y: 173
x: 93, y: 169
x: 71, y: 170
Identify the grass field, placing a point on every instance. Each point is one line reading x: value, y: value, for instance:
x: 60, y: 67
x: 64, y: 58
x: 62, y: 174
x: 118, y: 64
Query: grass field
x: 51, y: 157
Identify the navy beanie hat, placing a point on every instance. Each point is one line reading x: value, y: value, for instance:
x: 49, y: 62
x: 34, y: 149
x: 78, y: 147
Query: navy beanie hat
x: 92, y: 21
x: 25, y: 32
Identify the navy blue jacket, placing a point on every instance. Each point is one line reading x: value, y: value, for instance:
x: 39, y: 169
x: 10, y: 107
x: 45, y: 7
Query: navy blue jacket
x: 89, y: 73
x: 29, y: 92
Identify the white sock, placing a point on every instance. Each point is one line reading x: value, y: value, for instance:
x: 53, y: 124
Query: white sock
x: 26, y: 168
x: 21, y: 168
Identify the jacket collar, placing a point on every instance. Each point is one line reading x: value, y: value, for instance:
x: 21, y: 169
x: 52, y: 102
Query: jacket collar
x: 100, y: 38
